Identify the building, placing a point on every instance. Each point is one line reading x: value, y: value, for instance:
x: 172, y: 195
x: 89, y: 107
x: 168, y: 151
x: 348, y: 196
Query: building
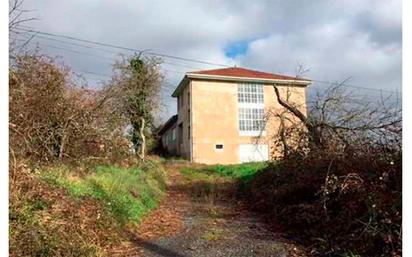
x: 223, y: 115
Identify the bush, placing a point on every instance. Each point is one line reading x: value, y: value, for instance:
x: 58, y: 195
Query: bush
x: 339, y: 183
x: 53, y: 117
x: 336, y: 203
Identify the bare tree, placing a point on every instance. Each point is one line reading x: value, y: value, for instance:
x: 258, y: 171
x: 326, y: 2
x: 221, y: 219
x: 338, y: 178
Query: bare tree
x: 17, y: 13
x: 342, y: 115
x: 17, y: 17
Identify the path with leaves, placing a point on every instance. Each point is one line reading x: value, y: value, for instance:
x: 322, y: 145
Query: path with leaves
x: 200, y: 217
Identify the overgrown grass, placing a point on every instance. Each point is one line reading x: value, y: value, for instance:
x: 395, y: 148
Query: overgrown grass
x: 214, y: 182
x: 67, y: 210
x: 244, y: 171
x: 45, y: 221
x: 127, y: 193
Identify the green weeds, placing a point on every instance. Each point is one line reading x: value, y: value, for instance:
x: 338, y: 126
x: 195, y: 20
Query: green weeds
x: 244, y: 171
x: 128, y: 193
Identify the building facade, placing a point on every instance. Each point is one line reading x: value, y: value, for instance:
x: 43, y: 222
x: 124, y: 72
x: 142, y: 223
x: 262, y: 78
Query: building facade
x: 227, y: 116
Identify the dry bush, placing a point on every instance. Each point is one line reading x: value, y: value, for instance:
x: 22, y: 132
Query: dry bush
x: 343, y: 191
x: 52, y: 118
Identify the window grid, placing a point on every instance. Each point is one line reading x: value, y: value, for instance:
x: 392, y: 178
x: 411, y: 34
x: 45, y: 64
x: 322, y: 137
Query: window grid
x: 251, y: 108
x: 250, y: 93
x: 251, y: 119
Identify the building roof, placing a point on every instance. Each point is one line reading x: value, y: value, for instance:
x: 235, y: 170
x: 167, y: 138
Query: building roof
x: 240, y: 75
x: 168, y: 124
x: 244, y: 73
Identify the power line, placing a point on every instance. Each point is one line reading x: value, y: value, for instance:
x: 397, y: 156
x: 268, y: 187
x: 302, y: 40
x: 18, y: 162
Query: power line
x: 71, y: 43
x: 355, y: 86
x: 123, y: 47
x: 104, y: 50
x: 168, y: 56
x: 98, y: 56
x: 105, y: 57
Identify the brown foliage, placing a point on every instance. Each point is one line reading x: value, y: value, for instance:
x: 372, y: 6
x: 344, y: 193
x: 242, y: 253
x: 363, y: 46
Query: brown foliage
x: 342, y: 192
x: 52, y: 118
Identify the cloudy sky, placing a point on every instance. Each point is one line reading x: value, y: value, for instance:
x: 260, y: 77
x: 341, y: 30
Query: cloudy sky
x: 335, y: 40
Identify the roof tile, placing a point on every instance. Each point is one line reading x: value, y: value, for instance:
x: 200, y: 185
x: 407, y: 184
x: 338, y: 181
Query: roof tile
x: 242, y: 72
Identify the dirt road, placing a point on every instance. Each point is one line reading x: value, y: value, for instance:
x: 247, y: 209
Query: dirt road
x: 200, y: 217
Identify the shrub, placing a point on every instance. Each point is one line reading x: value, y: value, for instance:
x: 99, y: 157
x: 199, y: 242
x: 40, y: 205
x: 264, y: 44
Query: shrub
x: 52, y: 117
x: 336, y: 203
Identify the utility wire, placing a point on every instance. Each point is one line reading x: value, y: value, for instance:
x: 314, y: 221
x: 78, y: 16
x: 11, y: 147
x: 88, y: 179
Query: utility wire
x: 123, y: 47
x: 98, y: 56
x: 105, y: 57
x: 166, y: 56
x: 354, y: 86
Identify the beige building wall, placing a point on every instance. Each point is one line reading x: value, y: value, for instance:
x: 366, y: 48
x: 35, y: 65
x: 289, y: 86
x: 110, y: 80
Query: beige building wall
x: 214, y: 113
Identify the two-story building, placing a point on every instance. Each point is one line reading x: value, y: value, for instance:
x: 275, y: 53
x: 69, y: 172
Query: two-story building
x: 225, y: 115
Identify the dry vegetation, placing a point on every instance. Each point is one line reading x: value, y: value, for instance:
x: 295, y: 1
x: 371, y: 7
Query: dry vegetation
x: 338, y: 187
x: 76, y: 188
x: 46, y: 221
x: 52, y: 118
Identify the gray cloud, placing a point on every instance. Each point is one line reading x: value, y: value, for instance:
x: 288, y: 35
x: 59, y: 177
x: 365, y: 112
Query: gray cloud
x: 335, y: 39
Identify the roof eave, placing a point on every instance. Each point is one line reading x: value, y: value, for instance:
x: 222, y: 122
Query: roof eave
x: 188, y: 76
x: 297, y: 82
x: 181, y: 85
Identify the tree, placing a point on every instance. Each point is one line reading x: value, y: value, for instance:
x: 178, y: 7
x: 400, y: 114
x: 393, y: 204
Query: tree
x: 338, y: 117
x: 136, y: 86
x: 17, y: 17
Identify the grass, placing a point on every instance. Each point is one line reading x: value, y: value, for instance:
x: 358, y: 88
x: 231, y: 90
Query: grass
x: 66, y: 210
x: 44, y: 220
x: 127, y: 193
x: 244, y: 171
x: 214, y: 182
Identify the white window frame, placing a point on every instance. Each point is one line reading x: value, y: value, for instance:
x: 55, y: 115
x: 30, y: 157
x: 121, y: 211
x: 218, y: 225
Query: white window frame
x: 251, y: 97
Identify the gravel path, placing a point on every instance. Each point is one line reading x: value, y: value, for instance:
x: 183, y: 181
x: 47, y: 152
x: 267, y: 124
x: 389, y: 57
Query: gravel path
x: 204, y: 226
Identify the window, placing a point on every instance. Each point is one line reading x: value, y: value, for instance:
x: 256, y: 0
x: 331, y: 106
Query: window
x: 188, y: 132
x: 250, y: 93
x: 174, y: 134
x: 167, y: 140
x: 251, y: 119
x: 180, y: 135
x: 188, y: 98
x: 251, y: 109
x: 219, y: 146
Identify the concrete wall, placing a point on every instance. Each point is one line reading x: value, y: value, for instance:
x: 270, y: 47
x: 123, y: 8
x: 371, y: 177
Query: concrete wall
x: 214, y: 114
